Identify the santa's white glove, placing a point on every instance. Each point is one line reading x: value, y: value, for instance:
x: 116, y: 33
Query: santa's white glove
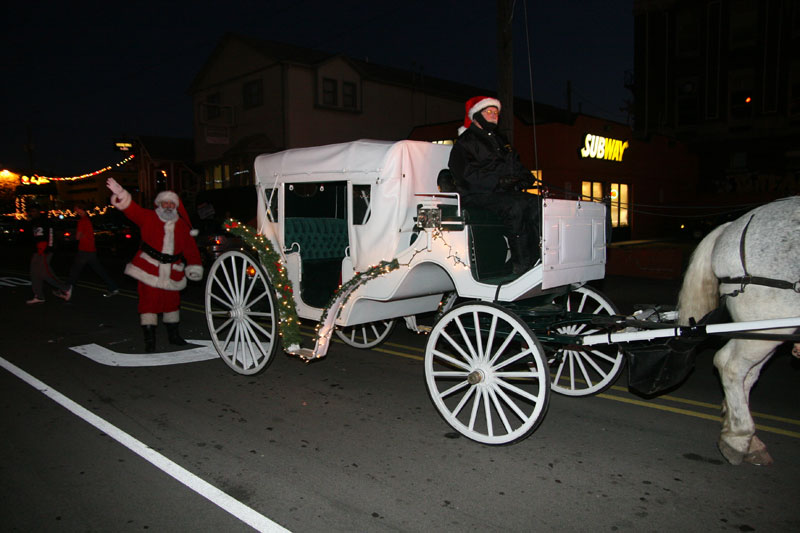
x: 194, y: 272
x: 114, y: 187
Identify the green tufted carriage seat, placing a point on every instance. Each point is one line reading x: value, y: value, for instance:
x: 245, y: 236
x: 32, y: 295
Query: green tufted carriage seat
x: 322, y: 242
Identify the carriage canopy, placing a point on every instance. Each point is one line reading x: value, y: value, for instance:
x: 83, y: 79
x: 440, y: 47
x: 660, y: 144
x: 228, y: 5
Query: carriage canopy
x: 395, y: 171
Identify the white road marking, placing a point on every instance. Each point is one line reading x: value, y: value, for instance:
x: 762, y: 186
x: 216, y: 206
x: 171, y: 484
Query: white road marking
x: 104, y: 356
x: 12, y: 281
x: 233, y: 506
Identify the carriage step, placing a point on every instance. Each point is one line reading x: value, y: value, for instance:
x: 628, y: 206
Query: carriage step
x: 304, y: 354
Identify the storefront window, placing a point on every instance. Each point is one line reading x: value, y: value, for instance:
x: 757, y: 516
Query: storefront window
x: 618, y: 194
x: 619, y: 205
x: 592, y: 190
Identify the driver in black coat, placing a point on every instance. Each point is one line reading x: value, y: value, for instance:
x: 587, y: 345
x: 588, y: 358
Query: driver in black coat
x: 488, y: 174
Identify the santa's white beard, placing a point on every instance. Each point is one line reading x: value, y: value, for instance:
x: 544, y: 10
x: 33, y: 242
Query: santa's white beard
x: 166, y: 215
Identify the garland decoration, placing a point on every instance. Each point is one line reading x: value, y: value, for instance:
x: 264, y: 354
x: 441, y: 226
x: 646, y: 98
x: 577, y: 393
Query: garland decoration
x: 288, y: 322
x: 384, y: 267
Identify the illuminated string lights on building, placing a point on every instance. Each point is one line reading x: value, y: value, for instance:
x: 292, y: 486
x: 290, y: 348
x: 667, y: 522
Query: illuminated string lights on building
x: 41, y: 180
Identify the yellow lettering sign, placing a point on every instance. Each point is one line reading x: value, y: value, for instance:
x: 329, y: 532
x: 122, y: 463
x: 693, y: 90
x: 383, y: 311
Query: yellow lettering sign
x: 597, y: 147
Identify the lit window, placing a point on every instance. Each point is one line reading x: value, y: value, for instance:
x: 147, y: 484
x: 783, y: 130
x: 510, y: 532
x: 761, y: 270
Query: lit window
x: 618, y: 200
x: 619, y: 205
x: 592, y: 190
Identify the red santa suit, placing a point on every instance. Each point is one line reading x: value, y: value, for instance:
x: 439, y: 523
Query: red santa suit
x: 168, y: 254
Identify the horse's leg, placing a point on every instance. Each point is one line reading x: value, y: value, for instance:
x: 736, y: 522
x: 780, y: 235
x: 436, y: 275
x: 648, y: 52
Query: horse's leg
x: 732, y: 443
x: 739, y: 363
x: 757, y: 454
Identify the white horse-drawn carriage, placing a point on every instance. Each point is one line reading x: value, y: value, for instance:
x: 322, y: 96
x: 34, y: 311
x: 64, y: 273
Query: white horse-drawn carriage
x: 357, y: 237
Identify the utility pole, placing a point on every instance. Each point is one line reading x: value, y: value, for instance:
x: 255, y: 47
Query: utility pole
x: 505, y: 67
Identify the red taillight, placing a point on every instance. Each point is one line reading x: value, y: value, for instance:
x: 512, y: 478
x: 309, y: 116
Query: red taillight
x: 217, y: 241
x: 128, y: 236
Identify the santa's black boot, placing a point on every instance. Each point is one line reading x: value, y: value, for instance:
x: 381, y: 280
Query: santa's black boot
x: 173, y: 334
x: 149, y: 339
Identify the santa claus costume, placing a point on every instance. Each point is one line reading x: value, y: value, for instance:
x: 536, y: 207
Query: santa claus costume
x: 167, y: 255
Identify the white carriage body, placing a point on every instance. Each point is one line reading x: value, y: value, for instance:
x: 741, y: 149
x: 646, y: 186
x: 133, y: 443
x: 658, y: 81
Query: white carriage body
x: 395, y: 179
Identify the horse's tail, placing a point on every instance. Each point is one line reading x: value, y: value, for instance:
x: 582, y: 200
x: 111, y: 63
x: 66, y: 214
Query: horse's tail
x: 700, y: 290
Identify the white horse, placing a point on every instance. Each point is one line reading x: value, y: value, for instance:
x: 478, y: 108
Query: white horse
x: 764, y: 243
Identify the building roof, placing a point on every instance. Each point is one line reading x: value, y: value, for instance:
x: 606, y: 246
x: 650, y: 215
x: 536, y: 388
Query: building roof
x: 289, y: 53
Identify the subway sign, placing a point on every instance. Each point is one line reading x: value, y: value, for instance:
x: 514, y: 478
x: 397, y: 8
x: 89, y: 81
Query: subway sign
x: 597, y: 147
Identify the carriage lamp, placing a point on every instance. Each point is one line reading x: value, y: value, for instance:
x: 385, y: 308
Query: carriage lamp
x: 429, y: 217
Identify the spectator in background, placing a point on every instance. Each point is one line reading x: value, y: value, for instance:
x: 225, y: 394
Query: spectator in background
x: 87, y: 253
x: 41, y: 272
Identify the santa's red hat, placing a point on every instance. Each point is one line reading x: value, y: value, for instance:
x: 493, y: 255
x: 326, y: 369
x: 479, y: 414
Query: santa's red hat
x: 474, y: 105
x: 171, y: 196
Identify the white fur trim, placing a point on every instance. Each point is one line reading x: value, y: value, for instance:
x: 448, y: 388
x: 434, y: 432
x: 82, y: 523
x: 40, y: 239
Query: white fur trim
x: 483, y: 104
x: 173, y: 317
x: 148, y: 319
x: 167, y: 196
x: 194, y: 232
x: 194, y: 272
x: 159, y: 282
x: 461, y: 129
x: 168, y: 246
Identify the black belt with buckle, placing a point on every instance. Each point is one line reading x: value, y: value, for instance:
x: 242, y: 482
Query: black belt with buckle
x: 158, y: 256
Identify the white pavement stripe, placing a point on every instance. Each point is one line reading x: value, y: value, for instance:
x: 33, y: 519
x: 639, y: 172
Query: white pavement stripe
x: 200, y: 486
x: 107, y: 357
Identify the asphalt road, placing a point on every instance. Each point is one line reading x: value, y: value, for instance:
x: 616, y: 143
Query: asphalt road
x: 352, y: 443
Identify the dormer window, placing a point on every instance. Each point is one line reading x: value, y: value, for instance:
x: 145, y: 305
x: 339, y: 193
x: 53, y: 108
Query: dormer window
x: 338, y: 94
x: 349, y: 96
x: 330, y: 92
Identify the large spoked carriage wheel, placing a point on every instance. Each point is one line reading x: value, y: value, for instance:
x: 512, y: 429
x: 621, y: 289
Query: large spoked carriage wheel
x: 579, y: 370
x: 366, y: 335
x: 241, y: 313
x: 487, y: 374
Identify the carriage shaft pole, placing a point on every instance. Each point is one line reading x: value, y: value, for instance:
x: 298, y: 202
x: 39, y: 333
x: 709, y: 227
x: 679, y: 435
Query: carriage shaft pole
x: 689, y: 331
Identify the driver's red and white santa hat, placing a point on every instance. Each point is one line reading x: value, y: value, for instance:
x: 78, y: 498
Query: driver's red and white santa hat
x: 475, y: 104
x: 171, y: 196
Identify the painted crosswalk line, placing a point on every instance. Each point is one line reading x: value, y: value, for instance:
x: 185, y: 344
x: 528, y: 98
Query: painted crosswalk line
x: 99, y: 354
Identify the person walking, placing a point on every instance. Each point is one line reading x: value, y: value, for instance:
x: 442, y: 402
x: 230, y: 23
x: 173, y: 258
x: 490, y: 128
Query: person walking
x: 40, y: 270
x: 87, y: 254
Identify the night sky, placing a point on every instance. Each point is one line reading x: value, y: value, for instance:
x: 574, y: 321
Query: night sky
x: 77, y: 75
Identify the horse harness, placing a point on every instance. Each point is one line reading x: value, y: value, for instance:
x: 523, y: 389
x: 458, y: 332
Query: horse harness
x: 747, y: 279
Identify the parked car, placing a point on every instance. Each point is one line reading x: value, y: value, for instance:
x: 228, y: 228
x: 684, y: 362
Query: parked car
x: 12, y: 231
x: 213, y: 240
x: 115, y: 234
x: 213, y: 207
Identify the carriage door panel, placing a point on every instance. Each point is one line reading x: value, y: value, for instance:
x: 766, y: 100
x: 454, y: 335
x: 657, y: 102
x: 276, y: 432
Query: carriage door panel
x: 573, y: 242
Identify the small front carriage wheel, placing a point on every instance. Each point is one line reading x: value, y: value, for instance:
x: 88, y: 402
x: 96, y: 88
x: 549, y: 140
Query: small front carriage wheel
x: 366, y: 335
x: 241, y: 312
x: 579, y: 370
x: 487, y: 374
